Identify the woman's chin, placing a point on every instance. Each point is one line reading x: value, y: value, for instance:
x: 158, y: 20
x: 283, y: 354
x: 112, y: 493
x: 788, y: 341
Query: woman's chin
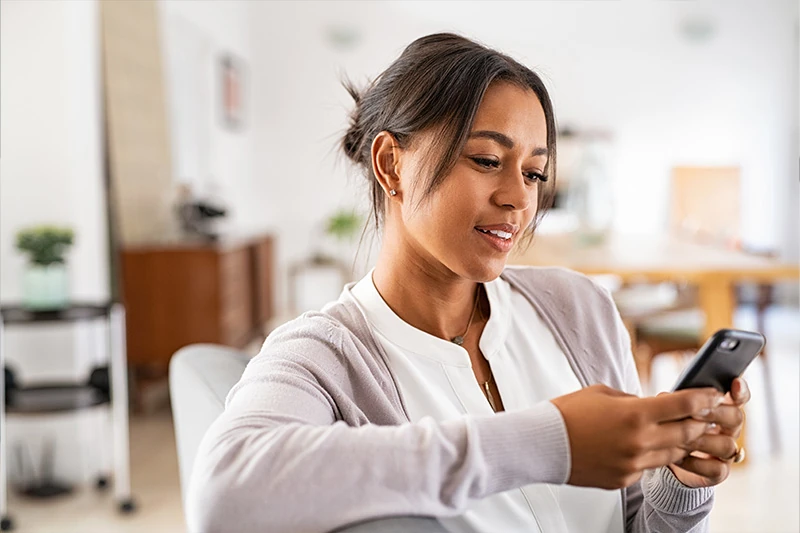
x: 484, y: 271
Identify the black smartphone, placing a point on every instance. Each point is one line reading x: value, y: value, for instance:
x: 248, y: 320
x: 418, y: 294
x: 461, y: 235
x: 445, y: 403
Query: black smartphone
x: 723, y: 358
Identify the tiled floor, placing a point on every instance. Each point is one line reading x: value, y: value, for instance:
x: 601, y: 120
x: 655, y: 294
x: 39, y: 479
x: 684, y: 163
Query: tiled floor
x: 760, y: 497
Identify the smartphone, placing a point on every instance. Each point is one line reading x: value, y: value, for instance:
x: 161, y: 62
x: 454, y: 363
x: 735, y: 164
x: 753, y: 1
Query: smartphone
x: 723, y: 358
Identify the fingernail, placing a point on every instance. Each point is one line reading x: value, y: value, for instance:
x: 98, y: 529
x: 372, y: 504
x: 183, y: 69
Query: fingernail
x: 711, y: 426
x: 718, y: 400
x: 705, y: 412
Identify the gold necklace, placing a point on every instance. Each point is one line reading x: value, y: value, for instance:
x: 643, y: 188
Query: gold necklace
x: 488, y: 392
x: 459, y: 339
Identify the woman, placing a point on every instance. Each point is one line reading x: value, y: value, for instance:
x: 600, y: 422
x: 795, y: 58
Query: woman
x: 444, y: 383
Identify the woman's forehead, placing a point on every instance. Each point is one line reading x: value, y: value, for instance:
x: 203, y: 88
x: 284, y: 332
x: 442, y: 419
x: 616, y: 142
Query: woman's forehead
x: 510, y: 109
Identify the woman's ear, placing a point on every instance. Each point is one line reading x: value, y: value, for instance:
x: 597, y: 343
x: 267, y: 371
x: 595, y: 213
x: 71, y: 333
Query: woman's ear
x: 386, y: 153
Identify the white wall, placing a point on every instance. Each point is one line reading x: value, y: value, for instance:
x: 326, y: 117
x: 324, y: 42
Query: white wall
x: 622, y: 66
x: 196, y: 33
x: 51, y: 171
x: 792, y: 234
x: 50, y: 116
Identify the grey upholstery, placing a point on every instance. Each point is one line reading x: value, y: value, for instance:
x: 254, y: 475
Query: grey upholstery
x: 200, y: 377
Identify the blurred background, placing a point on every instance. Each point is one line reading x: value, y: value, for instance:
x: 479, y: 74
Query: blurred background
x: 170, y: 175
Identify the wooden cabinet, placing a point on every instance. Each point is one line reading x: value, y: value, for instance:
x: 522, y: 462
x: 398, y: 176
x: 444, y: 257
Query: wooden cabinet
x: 184, y: 293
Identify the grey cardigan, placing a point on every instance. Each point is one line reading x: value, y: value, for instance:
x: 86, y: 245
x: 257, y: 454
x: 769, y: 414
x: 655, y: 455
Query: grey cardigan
x: 315, y: 435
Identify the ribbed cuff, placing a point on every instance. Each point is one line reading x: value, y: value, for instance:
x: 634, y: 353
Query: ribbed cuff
x: 525, y: 447
x: 664, y: 492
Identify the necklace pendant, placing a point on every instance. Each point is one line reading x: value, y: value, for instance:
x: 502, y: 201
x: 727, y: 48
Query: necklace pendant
x: 459, y: 340
x: 489, y: 395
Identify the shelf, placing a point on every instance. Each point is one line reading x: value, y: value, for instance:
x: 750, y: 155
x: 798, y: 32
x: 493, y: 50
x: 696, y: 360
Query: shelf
x: 17, y: 314
x: 42, y: 399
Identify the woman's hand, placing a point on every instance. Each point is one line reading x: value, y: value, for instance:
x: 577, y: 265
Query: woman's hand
x: 615, y: 436
x: 717, y: 448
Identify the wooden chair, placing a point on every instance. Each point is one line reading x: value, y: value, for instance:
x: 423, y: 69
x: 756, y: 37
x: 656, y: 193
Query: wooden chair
x: 705, y: 207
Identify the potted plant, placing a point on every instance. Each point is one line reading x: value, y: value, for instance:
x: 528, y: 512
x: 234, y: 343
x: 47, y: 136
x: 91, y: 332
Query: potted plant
x: 319, y: 278
x: 45, y: 284
x: 342, y: 227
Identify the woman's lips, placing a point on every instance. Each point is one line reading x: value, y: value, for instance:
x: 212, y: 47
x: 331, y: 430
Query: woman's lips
x: 498, y: 243
x: 504, y: 227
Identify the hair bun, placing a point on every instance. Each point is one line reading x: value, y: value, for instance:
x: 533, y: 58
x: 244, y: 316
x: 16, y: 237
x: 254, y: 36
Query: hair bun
x: 353, y: 140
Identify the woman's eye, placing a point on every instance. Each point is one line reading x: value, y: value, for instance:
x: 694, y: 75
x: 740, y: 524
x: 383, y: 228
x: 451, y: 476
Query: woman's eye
x: 485, y: 162
x: 493, y: 163
x: 535, y: 176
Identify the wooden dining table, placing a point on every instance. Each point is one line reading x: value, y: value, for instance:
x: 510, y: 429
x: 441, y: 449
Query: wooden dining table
x: 715, y: 271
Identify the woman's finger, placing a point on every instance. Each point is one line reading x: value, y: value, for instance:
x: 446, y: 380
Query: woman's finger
x: 727, y: 417
x: 676, y: 434
x: 663, y: 457
x: 681, y: 404
x: 714, y: 470
x: 740, y: 392
x: 722, y: 447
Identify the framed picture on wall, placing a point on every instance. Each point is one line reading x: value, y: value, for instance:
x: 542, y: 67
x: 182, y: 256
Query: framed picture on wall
x: 232, y: 78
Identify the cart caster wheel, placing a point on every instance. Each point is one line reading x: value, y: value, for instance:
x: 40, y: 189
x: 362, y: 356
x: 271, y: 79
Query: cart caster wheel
x: 6, y: 524
x: 127, y: 506
x: 102, y: 483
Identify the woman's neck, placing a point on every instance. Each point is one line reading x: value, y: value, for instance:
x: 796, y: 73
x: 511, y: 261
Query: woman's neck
x: 428, y: 296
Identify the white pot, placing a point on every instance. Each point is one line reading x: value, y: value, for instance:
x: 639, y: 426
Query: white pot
x: 46, y: 287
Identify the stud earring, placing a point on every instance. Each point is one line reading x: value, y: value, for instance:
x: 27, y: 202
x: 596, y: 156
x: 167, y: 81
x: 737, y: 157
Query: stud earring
x: 392, y: 192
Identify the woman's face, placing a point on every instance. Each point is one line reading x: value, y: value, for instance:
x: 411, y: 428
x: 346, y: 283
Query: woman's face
x: 471, y: 222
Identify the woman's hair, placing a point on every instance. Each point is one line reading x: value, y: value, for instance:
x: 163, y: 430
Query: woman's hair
x: 437, y: 84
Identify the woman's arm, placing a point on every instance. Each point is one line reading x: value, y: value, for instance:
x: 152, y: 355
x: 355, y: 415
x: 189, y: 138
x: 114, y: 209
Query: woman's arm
x: 279, y: 460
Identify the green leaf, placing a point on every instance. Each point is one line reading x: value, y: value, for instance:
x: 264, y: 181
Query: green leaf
x: 45, y: 244
x: 343, y: 224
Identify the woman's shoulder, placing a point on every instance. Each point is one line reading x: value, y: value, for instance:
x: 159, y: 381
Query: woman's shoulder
x: 334, y: 349
x: 558, y: 283
x: 580, y: 310
x: 311, y: 330
x: 328, y: 337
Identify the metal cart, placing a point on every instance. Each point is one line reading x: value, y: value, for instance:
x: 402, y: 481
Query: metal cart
x: 111, y: 389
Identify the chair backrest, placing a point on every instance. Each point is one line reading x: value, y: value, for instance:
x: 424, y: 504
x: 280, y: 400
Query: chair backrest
x: 706, y: 204
x: 200, y: 377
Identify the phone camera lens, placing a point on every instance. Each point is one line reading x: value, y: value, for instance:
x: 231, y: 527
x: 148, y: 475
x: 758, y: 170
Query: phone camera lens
x: 729, y: 344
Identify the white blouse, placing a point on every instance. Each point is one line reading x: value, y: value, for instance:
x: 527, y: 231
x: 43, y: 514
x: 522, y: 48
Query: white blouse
x: 436, y: 380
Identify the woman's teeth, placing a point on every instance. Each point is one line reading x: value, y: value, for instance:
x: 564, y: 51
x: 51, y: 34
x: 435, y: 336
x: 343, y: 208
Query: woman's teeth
x: 499, y: 233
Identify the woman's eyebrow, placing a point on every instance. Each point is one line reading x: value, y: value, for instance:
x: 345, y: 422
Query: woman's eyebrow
x: 504, y: 140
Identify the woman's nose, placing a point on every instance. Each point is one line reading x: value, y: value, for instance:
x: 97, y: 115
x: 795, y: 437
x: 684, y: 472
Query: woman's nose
x: 514, y: 193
